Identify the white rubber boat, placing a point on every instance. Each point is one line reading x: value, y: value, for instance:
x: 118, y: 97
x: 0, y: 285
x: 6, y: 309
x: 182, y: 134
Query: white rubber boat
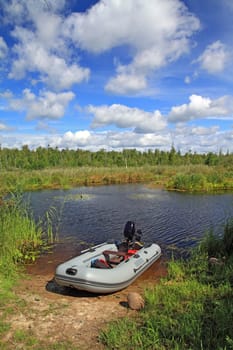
x: 96, y: 269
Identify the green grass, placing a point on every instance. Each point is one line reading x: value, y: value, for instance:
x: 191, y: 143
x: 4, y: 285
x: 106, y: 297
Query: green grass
x: 19, y: 237
x: 194, y: 178
x: 54, y: 178
x: 192, y: 308
x: 205, y: 181
x: 20, y: 241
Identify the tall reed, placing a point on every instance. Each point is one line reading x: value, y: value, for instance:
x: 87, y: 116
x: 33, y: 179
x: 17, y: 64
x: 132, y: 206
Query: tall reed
x: 20, y: 237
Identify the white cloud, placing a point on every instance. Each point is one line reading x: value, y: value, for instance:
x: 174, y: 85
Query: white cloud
x: 33, y: 56
x: 79, y: 138
x: 200, y: 139
x: 113, y: 140
x: 40, y: 47
x: 214, y: 58
x: 125, y: 83
x: 156, y: 31
x: 202, y: 131
x: 48, y: 105
x: 7, y: 94
x: 25, y: 11
x: 184, y: 138
x: 3, y: 48
x: 187, y: 80
x: 4, y: 127
x: 137, y: 23
x: 126, y: 117
x: 202, y: 107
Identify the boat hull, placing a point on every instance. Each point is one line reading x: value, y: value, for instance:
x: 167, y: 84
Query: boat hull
x: 79, y: 273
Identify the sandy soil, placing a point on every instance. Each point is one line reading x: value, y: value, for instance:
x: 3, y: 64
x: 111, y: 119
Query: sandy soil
x: 59, y: 314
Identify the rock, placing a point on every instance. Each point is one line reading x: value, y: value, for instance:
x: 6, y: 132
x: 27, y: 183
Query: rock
x: 135, y: 301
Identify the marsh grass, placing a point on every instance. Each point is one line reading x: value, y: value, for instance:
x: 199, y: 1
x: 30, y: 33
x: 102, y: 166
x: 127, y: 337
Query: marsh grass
x: 219, y: 246
x: 21, y: 240
x: 192, y: 308
x: 194, y: 178
x: 20, y: 237
x: 206, y: 180
x: 66, y: 178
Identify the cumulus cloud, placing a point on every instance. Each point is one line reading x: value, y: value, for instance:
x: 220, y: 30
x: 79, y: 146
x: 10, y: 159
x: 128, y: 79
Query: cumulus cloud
x: 5, y: 127
x: 202, y: 107
x: 33, y: 56
x: 156, y: 31
x: 113, y: 140
x: 126, y: 117
x: 125, y: 83
x: 79, y: 138
x: 40, y: 47
x: 27, y: 11
x: 136, y: 23
x: 48, y: 105
x: 3, y: 48
x: 184, y: 138
x: 214, y: 58
x: 7, y: 94
x: 199, y: 139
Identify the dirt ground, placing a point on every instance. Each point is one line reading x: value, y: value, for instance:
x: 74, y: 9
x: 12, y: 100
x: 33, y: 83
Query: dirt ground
x: 59, y: 314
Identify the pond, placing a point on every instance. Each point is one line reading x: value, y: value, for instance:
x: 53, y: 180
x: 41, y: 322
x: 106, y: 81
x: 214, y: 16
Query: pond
x: 90, y: 215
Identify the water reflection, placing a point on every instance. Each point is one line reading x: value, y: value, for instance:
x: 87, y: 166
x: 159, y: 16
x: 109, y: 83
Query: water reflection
x: 96, y: 214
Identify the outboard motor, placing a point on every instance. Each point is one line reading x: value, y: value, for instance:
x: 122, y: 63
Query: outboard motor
x: 138, y: 235
x: 129, y: 230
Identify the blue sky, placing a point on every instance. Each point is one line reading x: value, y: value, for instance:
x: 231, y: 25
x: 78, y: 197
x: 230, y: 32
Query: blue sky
x: 115, y: 74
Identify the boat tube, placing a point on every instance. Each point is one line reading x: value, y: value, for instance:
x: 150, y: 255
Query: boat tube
x: 107, y: 267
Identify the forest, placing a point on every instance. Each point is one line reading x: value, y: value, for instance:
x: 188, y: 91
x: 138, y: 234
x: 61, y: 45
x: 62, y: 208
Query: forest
x: 49, y: 157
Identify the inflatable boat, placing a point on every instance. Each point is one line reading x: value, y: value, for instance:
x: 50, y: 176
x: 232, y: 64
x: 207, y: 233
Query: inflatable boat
x: 108, y: 267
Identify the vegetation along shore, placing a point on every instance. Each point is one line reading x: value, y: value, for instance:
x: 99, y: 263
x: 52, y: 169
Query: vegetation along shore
x: 191, y: 308
x: 43, y: 168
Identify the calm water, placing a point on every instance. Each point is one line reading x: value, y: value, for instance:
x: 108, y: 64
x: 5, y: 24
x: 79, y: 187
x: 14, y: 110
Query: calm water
x: 95, y: 214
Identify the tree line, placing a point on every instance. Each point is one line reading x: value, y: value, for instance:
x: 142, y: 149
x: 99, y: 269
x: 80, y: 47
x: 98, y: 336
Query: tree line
x: 49, y: 157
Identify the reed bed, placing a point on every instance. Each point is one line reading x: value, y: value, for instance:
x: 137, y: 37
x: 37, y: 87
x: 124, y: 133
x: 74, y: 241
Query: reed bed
x: 71, y: 177
x: 201, y: 182
x: 182, y: 178
x: 20, y: 237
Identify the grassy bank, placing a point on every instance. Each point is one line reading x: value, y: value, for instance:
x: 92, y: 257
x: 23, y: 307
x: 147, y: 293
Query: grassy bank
x: 21, y: 241
x: 182, y: 178
x: 73, y: 177
x: 191, y: 309
x: 201, y: 179
x: 20, y: 237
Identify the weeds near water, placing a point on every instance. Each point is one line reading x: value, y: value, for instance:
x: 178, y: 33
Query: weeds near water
x: 192, y: 308
x: 20, y: 237
x: 201, y: 182
x: 219, y: 246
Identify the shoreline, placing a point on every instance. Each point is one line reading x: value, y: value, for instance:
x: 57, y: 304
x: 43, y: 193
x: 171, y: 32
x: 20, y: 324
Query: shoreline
x: 83, y: 314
